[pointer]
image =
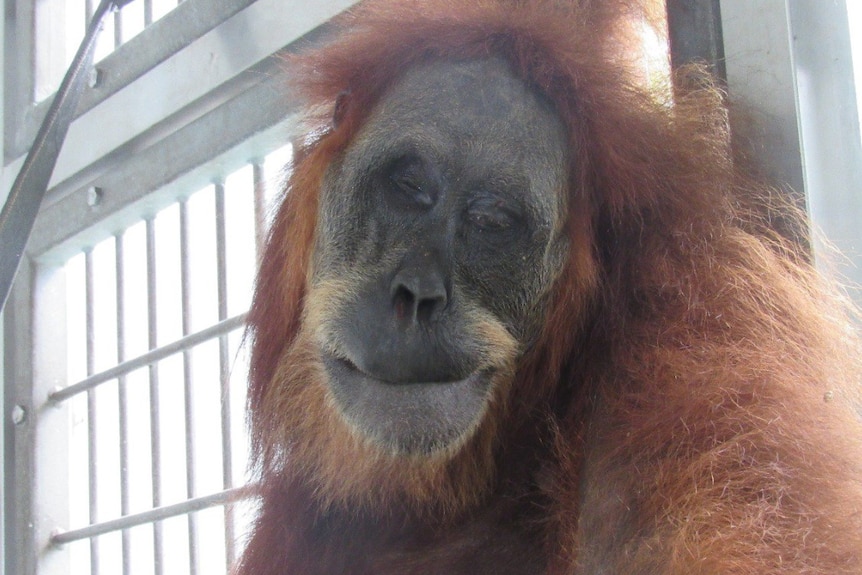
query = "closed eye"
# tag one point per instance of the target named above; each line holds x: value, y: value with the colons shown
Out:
x: 412, y: 189
x: 409, y: 180
x: 492, y: 214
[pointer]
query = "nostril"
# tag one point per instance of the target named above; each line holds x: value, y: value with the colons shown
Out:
x: 408, y: 306
x: 403, y: 302
x: 426, y: 308
x: 418, y: 291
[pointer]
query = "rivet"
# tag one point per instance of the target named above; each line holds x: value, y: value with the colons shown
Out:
x: 95, y: 77
x: 94, y: 196
x: 19, y: 415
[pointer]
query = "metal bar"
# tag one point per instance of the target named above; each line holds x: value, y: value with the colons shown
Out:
x: 236, y: 66
x: 155, y: 428
x: 259, y: 208
x: 224, y: 369
x: 125, y: 505
x: 823, y: 37
x: 118, y: 28
x: 694, y: 31
x: 21, y: 458
x: 762, y: 81
x: 188, y: 390
x: 153, y: 515
x: 92, y: 460
x: 149, y: 358
x: 176, y: 30
x: 19, y: 211
x: 250, y: 125
x: 148, y: 12
x: 89, y: 7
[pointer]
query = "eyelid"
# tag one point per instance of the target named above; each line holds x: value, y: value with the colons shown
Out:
x: 412, y: 188
x: 409, y: 176
x: 500, y: 213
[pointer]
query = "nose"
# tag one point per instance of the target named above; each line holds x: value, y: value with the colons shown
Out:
x: 419, y: 290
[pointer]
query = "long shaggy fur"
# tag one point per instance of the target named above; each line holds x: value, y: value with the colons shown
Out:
x: 692, y: 400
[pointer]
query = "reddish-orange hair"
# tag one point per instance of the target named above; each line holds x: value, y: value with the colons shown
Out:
x: 726, y: 370
x: 573, y: 52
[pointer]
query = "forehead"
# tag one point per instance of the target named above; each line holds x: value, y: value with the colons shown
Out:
x: 474, y: 115
x: 462, y: 96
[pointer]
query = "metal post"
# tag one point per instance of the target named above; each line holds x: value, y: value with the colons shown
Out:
x: 188, y: 388
x: 259, y: 207
x: 694, y: 31
x: 125, y: 507
x: 155, y: 427
x: 224, y: 370
x: 92, y: 429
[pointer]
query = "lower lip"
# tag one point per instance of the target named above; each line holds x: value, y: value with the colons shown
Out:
x: 408, y: 417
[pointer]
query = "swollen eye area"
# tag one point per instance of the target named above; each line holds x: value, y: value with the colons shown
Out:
x: 409, y: 180
x: 492, y: 214
x: 412, y: 191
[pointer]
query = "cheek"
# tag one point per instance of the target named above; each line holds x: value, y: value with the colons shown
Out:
x: 354, y: 232
x: 511, y: 280
x: 343, y: 230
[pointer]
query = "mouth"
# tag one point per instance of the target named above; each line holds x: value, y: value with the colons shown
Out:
x: 421, y: 418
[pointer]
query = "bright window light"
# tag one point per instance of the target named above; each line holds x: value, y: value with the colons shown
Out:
x: 175, y: 430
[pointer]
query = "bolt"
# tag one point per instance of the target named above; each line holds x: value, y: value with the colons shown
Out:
x: 95, y: 77
x: 18, y: 415
x: 94, y: 196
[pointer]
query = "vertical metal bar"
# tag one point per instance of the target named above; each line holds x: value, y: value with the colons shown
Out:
x: 36, y: 462
x: 118, y: 28
x: 91, y: 410
x: 224, y: 370
x: 188, y: 390
x: 89, y: 9
x: 694, y: 31
x: 155, y: 428
x: 123, y: 400
x: 148, y: 12
x: 259, y: 207
x: 822, y: 42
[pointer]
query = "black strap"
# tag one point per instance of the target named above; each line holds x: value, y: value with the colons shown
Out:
x: 25, y: 197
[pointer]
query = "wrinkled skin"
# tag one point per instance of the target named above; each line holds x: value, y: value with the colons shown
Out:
x: 439, y: 237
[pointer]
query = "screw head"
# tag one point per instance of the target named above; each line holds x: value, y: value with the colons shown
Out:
x: 19, y: 415
x: 94, y: 78
x: 94, y: 196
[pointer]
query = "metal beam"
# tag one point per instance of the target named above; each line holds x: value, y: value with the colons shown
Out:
x: 694, y: 32
x: 193, y: 81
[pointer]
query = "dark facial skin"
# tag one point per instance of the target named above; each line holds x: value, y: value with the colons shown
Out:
x: 439, y: 237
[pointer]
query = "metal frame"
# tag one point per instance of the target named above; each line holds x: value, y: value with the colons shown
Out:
x: 221, y: 104
x: 136, y: 57
x: 789, y: 66
x: 694, y: 34
x: 5, y: 420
